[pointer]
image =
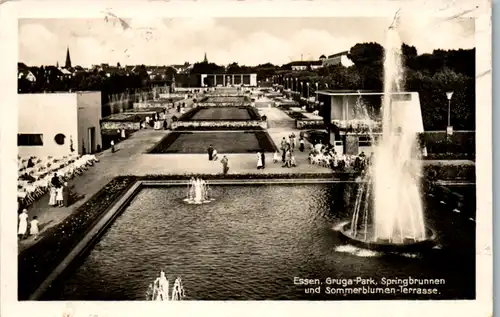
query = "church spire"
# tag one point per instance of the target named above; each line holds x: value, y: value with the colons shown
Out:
x: 68, y: 59
x: 205, y: 60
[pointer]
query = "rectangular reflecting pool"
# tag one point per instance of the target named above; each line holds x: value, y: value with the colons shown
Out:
x: 255, y: 242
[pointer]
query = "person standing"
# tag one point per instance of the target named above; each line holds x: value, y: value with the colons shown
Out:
x: 112, y: 146
x: 225, y: 165
x: 292, y: 141
x: 59, y: 196
x: 23, y: 224
x: 52, y: 197
x: 34, y: 227
x: 259, y: 160
x: 301, y: 144
x: 210, y: 151
x: 263, y: 159
x: 65, y: 194
x: 283, y: 149
x: 55, y: 181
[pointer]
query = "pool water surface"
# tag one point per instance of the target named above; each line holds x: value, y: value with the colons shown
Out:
x: 250, y: 244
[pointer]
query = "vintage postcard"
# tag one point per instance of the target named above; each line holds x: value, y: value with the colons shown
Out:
x: 246, y: 158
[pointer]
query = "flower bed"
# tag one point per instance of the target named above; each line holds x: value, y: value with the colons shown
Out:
x: 358, y: 126
x: 223, y: 128
x: 119, y: 125
x: 37, y: 262
x: 310, y: 124
x: 201, y: 124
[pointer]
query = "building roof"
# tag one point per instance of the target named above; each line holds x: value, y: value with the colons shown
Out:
x: 338, y: 54
x: 305, y: 63
x: 23, y: 73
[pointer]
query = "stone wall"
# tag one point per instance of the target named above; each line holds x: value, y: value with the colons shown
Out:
x: 116, y: 125
x: 220, y: 124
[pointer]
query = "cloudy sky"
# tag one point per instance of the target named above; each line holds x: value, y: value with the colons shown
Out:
x: 247, y: 41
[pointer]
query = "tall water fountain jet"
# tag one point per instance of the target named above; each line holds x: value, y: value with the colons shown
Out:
x: 388, y: 212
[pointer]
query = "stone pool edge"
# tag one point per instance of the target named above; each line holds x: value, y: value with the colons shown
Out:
x: 88, y: 240
x: 98, y: 229
x: 95, y: 231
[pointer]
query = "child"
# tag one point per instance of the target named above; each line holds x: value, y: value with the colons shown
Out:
x: 292, y: 161
x: 34, y: 227
x: 59, y: 196
x: 275, y: 157
x: 214, y: 155
x: 112, y: 146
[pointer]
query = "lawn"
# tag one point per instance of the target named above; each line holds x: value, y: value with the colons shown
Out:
x: 223, y: 142
x: 222, y: 113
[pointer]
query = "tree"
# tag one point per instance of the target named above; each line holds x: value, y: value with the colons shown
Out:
x: 366, y: 54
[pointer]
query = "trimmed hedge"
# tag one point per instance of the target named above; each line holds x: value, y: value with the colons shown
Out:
x: 295, y: 115
x: 253, y: 113
x: 37, y: 262
x: 460, y: 144
x: 219, y: 129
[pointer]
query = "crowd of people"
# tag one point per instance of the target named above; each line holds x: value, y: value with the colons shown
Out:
x: 37, y: 176
x: 325, y: 155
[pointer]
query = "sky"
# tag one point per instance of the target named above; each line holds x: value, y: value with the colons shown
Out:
x: 246, y: 41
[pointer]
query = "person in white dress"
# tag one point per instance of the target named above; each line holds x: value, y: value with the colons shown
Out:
x: 34, y: 227
x: 52, y: 199
x: 59, y: 196
x: 275, y: 157
x: 23, y: 224
x: 259, y: 160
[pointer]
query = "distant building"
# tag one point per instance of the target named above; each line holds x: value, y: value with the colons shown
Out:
x: 351, y: 133
x: 183, y: 68
x: 337, y: 59
x: 52, y: 124
x: 305, y: 65
x: 26, y: 74
x: 224, y: 80
x: 68, y: 59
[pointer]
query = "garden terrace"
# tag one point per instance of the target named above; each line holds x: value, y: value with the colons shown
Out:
x: 220, y: 125
x: 203, y: 113
x: 224, y: 142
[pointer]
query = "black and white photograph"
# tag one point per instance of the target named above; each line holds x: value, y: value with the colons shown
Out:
x: 320, y: 157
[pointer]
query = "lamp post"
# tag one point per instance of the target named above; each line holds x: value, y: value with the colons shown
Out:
x: 449, y: 129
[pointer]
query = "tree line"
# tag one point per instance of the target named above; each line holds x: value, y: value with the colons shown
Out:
x: 431, y: 75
